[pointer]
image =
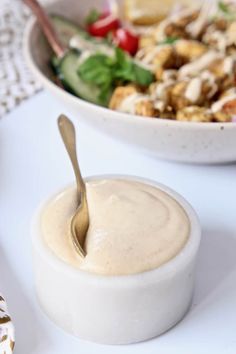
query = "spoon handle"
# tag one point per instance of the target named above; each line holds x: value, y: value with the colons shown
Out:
x: 46, y: 26
x: 67, y: 131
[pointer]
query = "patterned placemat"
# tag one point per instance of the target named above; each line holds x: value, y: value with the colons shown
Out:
x: 16, y: 81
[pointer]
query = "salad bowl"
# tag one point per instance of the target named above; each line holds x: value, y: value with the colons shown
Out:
x: 191, y: 142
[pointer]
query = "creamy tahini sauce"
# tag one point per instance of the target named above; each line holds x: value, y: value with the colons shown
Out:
x: 159, y: 105
x: 134, y: 227
x: 200, y: 64
x: 169, y: 74
x: 196, y: 27
x: 161, y: 29
x: 83, y: 45
x: 230, y: 34
x: 228, y: 65
x: 221, y: 40
x: 160, y: 91
x: 193, y: 90
x: 218, y: 105
x: 210, y: 79
x: 146, y: 58
x: 128, y: 104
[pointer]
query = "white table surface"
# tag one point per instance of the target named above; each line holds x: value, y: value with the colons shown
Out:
x: 33, y: 164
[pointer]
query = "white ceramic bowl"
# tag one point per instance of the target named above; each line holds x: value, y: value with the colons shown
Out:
x: 116, y: 309
x: 167, y: 139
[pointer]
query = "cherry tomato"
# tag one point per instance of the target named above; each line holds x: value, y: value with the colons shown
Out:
x: 126, y: 40
x: 104, y: 25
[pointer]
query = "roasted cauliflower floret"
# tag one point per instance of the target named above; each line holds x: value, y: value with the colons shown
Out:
x: 220, y: 23
x: 175, y: 25
x: 165, y: 57
x: 175, y: 31
x: 160, y: 91
x: 166, y: 75
x: 119, y: 94
x: 217, y: 68
x: 186, y: 17
x: 225, y: 107
x: 223, y: 117
x: 129, y: 100
x: 190, y: 49
x: 214, y: 38
x: 145, y: 108
x: 227, y: 82
x: 177, y: 95
x: 195, y: 91
x: 221, y: 36
x: 146, y: 41
x: 228, y: 93
x: 168, y: 113
x: 224, y: 72
x: 194, y: 114
x: 158, y: 56
x: 231, y: 34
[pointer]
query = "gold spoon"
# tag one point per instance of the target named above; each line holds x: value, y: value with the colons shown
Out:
x: 47, y: 27
x: 80, y: 220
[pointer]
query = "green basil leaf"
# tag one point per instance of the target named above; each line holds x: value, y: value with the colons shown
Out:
x: 107, y: 72
x: 143, y: 77
x: 95, y: 70
x: 120, y: 55
x: 105, y: 94
x: 127, y: 70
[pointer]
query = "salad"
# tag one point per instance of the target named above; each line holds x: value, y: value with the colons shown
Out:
x: 181, y: 68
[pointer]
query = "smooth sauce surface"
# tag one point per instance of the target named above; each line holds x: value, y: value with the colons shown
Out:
x: 134, y: 227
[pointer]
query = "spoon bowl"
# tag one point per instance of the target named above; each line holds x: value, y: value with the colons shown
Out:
x: 79, y: 227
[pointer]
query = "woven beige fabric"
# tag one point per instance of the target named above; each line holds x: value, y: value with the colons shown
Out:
x: 16, y: 82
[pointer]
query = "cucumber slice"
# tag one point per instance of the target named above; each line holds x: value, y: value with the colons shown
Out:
x: 55, y: 62
x: 66, y: 29
x: 72, y: 82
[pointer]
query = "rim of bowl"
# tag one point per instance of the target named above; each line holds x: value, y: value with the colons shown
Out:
x: 30, y: 27
x: 157, y: 274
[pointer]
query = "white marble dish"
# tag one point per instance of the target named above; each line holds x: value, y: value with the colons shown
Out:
x: 166, y: 139
x: 116, y: 309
